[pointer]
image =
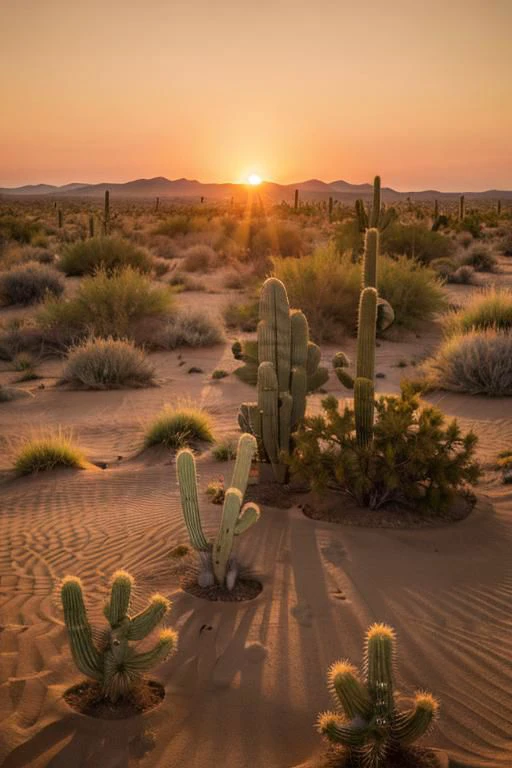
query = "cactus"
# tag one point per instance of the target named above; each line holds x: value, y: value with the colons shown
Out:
x: 462, y: 208
x: 436, y: 209
x: 498, y: 208
x: 288, y: 368
x: 217, y: 564
x: 59, y: 217
x: 106, y: 213
x: 247, y: 351
x: 296, y: 200
x: 115, y: 664
x: 374, y: 219
x: 361, y: 216
x: 368, y: 722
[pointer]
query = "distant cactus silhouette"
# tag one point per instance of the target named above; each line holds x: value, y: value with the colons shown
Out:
x: 59, y: 218
x: 114, y: 663
x: 462, y: 208
x: 296, y: 200
x: 369, y: 722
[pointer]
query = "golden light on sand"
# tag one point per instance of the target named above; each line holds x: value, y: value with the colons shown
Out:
x: 254, y: 179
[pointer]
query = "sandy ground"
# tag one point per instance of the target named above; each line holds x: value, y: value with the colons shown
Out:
x: 249, y: 679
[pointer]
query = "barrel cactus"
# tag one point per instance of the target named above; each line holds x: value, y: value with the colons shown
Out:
x: 218, y: 566
x: 369, y: 722
x: 288, y: 367
x: 114, y: 663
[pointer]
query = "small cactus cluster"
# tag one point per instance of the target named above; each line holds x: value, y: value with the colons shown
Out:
x: 286, y: 359
x: 369, y: 723
x: 374, y: 313
x: 247, y: 352
x: 114, y: 663
x: 218, y: 566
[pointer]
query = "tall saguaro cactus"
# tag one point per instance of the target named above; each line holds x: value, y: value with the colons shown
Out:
x: 217, y: 563
x: 296, y: 200
x: 462, y: 208
x: 368, y: 721
x: 286, y: 358
x: 115, y: 664
x: 106, y: 213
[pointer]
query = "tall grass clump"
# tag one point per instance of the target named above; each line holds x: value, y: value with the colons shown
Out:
x: 416, y: 242
x: 47, y: 452
x: 29, y: 283
x: 477, y: 362
x: 191, y: 329
x: 178, y: 426
x: 414, y: 291
x: 198, y: 258
x: 107, y: 364
x: 481, y: 258
x: 490, y: 309
x: 106, y: 305
x: 106, y: 253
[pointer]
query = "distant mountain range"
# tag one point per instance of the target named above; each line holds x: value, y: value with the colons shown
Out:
x: 312, y: 189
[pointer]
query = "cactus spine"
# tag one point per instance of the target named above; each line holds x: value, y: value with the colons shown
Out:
x: 217, y: 564
x: 115, y: 664
x: 287, y: 363
x: 368, y: 722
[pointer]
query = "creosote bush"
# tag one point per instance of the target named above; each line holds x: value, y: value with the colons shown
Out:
x: 29, y: 283
x: 48, y: 452
x: 179, y: 426
x: 107, y: 364
x: 106, y: 253
x: 109, y: 305
x: 190, y: 328
x: 414, y: 459
x: 476, y: 362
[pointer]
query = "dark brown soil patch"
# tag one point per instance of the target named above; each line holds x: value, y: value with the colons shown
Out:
x: 88, y: 698
x: 332, y: 507
x: 244, y: 589
x: 268, y: 494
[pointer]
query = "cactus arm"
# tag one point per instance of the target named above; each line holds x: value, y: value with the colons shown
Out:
x: 299, y: 340
x: 371, y: 250
x: 274, y: 341
x: 375, y: 213
x: 313, y: 358
x: 379, y: 658
x: 340, y: 731
x: 268, y: 397
x: 144, y: 622
x: 244, y: 455
x: 412, y: 725
x: 249, y: 515
x: 318, y: 378
x: 224, y: 541
x: 117, y: 608
x: 344, y: 377
x: 187, y: 481
x: 83, y: 650
x: 366, y: 334
x: 346, y: 687
x: 167, y: 644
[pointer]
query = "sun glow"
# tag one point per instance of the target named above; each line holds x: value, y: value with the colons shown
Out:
x: 254, y: 179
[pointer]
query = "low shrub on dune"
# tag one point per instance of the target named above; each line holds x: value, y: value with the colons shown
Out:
x: 109, y: 305
x: 107, y: 253
x: 48, y: 452
x: 29, y: 283
x: 107, y: 364
x: 477, y: 362
x: 179, y: 426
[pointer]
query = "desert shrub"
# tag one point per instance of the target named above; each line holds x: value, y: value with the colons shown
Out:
x: 472, y: 224
x: 225, y: 450
x: 198, y: 258
x: 48, y: 452
x: 29, y: 283
x: 326, y: 287
x: 464, y: 275
x: 107, y: 253
x: 444, y: 267
x: 478, y: 362
x: 41, y: 255
x: 480, y: 258
x: 464, y: 239
x: 488, y: 309
x: 241, y: 315
x: 191, y: 329
x: 219, y: 373
x: 107, y: 364
x: 348, y: 238
x: 184, y: 282
x: 178, y: 426
x: 178, y: 224
x: 16, y: 228
x: 108, y: 305
x: 506, y: 245
x: 416, y: 242
x: 415, y: 458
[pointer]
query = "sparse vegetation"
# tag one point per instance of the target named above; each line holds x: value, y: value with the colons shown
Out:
x: 198, y: 258
x: 225, y: 450
x: 107, y: 364
x: 481, y: 258
x: 109, y: 254
x: 416, y: 242
x: 179, y: 426
x: 52, y: 451
x: 490, y: 309
x: 29, y: 283
x: 191, y: 329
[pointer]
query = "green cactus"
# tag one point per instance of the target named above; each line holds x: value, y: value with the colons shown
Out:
x: 368, y: 722
x: 59, y: 217
x: 106, y: 213
x: 374, y: 219
x: 361, y: 216
x: 115, y: 663
x: 217, y: 564
x: 288, y: 369
x: 462, y: 208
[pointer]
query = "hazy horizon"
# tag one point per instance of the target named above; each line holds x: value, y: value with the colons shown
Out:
x: 287, y: 90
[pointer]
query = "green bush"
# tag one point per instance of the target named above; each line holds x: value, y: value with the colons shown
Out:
x: 478, y: 362
x: 109, y: 305
x: 414, y: 291
x: 48, y: 452
x: 179, y: 426
x: 415, y: 459
x: 481, y: 258
x: 107, y: 364
x: 29, y: 283
x: 107, y: 253
x: 489, y: 309
x: 416, y: 242
x: 198, y: 258
x: 16, y: 228
x: 178, y: 224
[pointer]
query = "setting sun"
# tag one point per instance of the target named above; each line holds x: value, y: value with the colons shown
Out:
x: 254, y: 179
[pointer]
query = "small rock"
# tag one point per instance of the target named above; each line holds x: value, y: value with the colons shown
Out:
x: 380, y: 375
x: 194, y: 369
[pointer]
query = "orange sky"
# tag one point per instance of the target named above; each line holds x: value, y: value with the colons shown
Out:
x: 420, y: 92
